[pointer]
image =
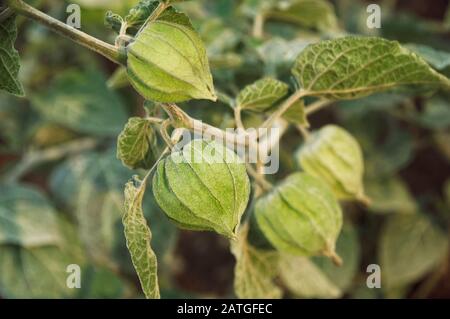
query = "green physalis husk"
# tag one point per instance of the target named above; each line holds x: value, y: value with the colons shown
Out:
x: 335, y: 156
x: 301, y: 216
x: 167, y: 62
x: 204, y: 186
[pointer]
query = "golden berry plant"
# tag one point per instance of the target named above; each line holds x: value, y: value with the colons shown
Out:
x: 198, y: 70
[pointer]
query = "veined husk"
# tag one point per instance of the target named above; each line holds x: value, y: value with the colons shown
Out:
x: 300, y: 216
x: 335, y: 156
x: 167, y: 62
x: 208, y: 195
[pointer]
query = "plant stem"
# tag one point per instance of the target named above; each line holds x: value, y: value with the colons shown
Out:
x: 105, y: 49
x: 224, y: 98
x: 259, y: 179
x: 154, y: 15
x: 258, y: 25
x: 182, y: 120
x: 268, y: 142
x: 155, y: 120
x: 238, y: 118
x: 164, y: 134
x: 176, y: 135
x: 335, y: 258
x: 316, y: 106
x: 283, y: 108
x: 304, y: 131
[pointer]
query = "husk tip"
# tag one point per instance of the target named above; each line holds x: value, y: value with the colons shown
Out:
x: 335, y: 258
x: 364, y: 199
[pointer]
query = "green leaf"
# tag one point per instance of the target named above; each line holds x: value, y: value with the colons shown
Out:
x: 410, y: 247
x: 40, y: 271
x: 9, y: 58
x: 296, y: 114
x: 255, y: 269
x: 304, y: 279
x: 136, y: 143
x: 138, y: 236
x: 26, y: 217
x: 34, y: 273
x: 439, y: 60
x: 113, y: 21
x: 262, y: 94
x: 390, y: 195
x: 300, y: 216
x: 82, y: 102
x: 105, y: 4
x: 139, y: 13
x: 376, y: 102
x: 100, y: 282
x: 354, y: 67
x: 318, y: 14
x: 318, y: 277
x: 118, y: 79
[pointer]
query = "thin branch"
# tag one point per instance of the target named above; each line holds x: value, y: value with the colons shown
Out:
x: 259, y: 179
x: 238, y: 118
x: 38, y: 157
x: 258, y: 25
x: 316, y: 106
x: 182, y: 120
x: 304, y: 132
x: 155, y: 120
x: 154, y: 15
x: 163, y: 131
x: 268, y: 142
x: 225, y: 98
x: 283, y: 108
x: 265, y: 146
x: 123, y: 38
x: 107, y: 50
x: 176, y: 135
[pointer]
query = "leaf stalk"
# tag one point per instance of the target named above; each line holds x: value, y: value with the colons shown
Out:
x: 105, y: 49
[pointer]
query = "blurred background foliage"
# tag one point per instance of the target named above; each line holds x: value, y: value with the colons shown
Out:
x: 61, y: 190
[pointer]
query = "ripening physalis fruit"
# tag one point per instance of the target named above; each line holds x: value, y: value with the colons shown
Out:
x: 335, y: 156
x: 204, y: 186
x: 167, y: 62
x: 301, y: 216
